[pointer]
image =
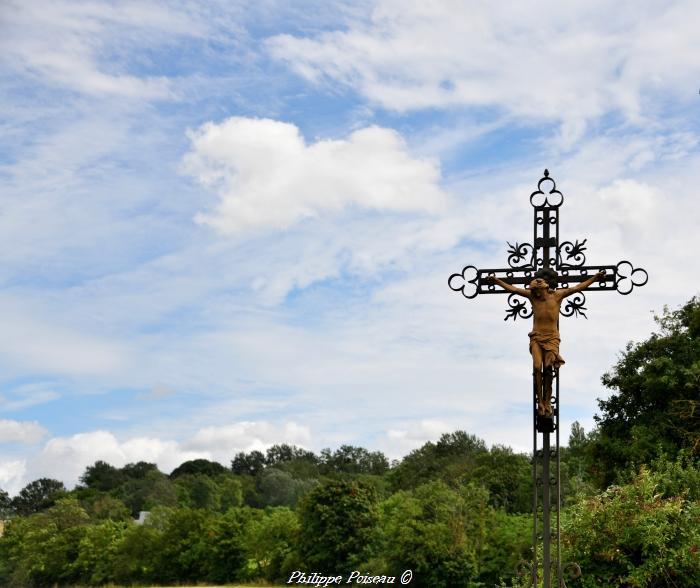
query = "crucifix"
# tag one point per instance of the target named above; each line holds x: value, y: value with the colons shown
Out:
x: 552, y: 275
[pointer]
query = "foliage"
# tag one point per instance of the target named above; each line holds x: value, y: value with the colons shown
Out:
x: 460, y: 458
x: 437, y: 532
x: 105, y: 507
x: 227, y: 545
x: 139, y: 470
x: 148, y: 489
x: 448, y: 459
x: 279, y: 454
x: 42, y: 549
x: 353, y: 460
x: 96, y: 562
x: 38, y: 495
x: 184, y: 545
x: 507, y: 476
x: 271, y: 543
x: 5, y: 504
x: 193, y: 467
x: 102, y: 476
x: 248, y: 463
x: 279, y: 488
x: 136, y: 557
x: 654, y: 408
x: 635, y: 535
x: 509, y: 541
x: 338, y: 523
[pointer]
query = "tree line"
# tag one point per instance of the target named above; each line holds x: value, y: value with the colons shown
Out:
x: 455, y: 512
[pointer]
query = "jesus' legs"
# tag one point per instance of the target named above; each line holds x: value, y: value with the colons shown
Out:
x: 537, y: 365
x: 548, y: 372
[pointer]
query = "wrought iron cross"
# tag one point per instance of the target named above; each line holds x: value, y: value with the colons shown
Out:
x: 567, y: 258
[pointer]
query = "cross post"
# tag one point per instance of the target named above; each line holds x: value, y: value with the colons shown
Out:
x: 555, y: 274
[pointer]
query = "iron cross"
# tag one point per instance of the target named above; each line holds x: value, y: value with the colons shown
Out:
x: 567, y: 258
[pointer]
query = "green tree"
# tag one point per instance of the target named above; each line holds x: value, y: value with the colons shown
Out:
x: 656, y: 387
x: 437, y: 532
x: 248, y: 463
x: 197, y: 491
x: 41, y: 549
x: 230, y: 491
x: 271, y: 543
x: 450, y: 459
x: 279, y: 488
x: 148, y: 489
x: 138, y: 470
x: 227, y: 545
x: 106, y: 507
x: 38, y: 495
x: 137, y: 556
x: 203, y: 467
x: 508, y: 542
x: 506, y: 475
x: 185, y: 545
x: 338, y: 522
x: 576, y: 466
x: 278, y: 454
x: 5, y: 504
x: 216, y: 493
x: 98, y: 549
x: 102, y: 476
x: 348, y: 459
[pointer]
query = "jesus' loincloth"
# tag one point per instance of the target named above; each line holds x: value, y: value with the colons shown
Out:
x: 549, y: 343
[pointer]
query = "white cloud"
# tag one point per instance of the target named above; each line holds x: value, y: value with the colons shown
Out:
x: 399, y: 442
x: 268, y: 177
x: 12, y: 475
x: 225, y: 440
x: 20, y: 431
x: 67, y: 44
x: 570, y: 62
x: 65, y: 458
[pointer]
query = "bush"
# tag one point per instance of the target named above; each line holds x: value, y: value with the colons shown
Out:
x: 636, y: 535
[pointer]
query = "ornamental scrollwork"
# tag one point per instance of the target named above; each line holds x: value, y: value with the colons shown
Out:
x: 518, y: 308
x: 572, y: 254
x: 460, y: 282
x: 520, y: 255
x: 628, y: 277
x: 575, y: 305
x: 549, y: 197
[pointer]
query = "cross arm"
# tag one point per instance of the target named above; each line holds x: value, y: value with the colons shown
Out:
x: 622, y: 277
x: 472, y: 281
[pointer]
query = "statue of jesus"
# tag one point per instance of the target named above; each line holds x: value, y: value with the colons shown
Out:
x: 544, y: 337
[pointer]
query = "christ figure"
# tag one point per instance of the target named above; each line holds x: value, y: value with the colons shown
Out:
x: 544, y: 337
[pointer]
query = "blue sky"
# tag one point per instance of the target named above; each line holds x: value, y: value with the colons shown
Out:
x: 224, y: 226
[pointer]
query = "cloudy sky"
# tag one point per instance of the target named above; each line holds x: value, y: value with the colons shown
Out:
x: 230, y: 224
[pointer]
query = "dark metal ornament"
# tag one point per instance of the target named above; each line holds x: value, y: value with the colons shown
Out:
x: 568, y: 260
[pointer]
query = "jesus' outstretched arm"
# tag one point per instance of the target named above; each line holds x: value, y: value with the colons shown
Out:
x: 507, y: 286
x: 582, y: 286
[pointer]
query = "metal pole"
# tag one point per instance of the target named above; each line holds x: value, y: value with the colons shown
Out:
x: 546, y: 524
x: 560, y: 579
x: 535, y: 483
